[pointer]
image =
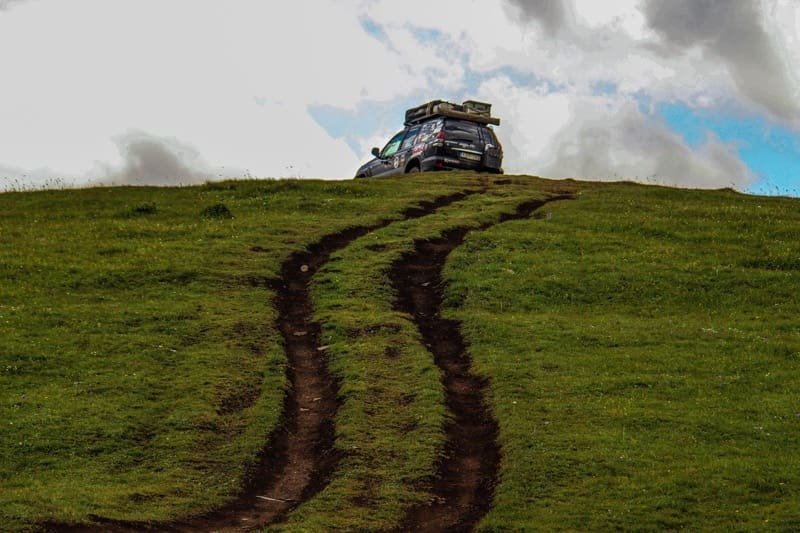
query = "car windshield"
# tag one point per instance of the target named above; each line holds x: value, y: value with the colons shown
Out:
x: 391, y: 147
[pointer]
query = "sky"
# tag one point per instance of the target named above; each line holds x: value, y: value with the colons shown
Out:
x: 692, y: 93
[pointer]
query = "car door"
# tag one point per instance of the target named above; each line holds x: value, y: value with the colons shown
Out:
x: 401, y: 157
x: 385, y: 162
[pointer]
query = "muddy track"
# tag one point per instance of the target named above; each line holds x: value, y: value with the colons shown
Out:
x: 467, y: 474
x: 300, y: 457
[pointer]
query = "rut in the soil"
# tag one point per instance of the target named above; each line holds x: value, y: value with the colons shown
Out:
x: 299, y: 458
x: 467, y: 474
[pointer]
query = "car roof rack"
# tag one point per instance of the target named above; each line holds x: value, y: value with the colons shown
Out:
x: 469, y: 110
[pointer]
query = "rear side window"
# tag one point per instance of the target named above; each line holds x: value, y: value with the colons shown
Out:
x: 488, y: 136
x: 428, y: 130
x: 411, y: 136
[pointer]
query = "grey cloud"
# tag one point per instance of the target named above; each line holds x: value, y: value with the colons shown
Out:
x: 152, y: 160
x: 146, y: 160
x: 551, y: 15
x: 733, y: 31
x: 7, y: 4
x: 632, y: 146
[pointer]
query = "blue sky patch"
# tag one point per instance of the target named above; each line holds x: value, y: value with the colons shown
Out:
x: 426, y: 35
x: 604, y: 87
x: 368, y: 117
x: 518, y: 78
x: 771, y: 150
x: 374, y: 29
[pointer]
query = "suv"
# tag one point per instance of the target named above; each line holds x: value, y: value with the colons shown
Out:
x: 440, y: 136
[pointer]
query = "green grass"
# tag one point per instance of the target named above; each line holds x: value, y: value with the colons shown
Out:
x: 641, y: 342
x: 389, y: 427
x: 139, y: 368
x: 643, y: 347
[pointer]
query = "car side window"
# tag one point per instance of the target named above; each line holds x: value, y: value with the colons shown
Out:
x: 392, y: 146
x: 411, y: 136
x: 488, y: 136
x: 429, y: 129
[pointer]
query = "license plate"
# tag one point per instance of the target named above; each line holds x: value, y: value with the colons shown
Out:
x: 467, y: 155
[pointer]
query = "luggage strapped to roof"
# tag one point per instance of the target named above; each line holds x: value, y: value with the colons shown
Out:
x: 469, y: 110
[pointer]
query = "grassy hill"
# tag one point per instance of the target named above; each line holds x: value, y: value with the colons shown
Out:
x: 640, y: 346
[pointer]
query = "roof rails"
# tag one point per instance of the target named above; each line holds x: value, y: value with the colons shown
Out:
x: 469, y: 110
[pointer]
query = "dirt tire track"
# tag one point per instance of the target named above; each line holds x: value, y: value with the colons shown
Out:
x: 467, y: 474
x: 304, y: 440
x: 300, y: 457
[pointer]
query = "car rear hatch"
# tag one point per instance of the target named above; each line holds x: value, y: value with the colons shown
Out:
x: 463, y: 140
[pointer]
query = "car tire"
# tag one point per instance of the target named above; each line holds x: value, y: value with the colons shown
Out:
x: 412, y: 168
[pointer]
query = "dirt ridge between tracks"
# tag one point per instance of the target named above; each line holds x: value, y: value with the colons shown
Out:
x: 463, y: 487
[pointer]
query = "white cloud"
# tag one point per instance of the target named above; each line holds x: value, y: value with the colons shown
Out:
x: 605, y: 137
x: 734, y: 35
x: 622, y: 15
x: 575, y: 48
x: 531, y: 116
x: 5, y: 5
x: 231, y: 82
x: 620, y: 142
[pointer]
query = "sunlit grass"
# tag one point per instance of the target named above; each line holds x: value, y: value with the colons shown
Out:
x: 641, y: 342
x: 139, y: 368
x: 643, y: 348
x: 390, y: 425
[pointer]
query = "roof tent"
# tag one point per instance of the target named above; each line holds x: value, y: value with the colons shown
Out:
x: 468, y: 110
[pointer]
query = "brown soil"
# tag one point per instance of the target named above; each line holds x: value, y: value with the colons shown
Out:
x: 463, y: 488
x: 300, y: 456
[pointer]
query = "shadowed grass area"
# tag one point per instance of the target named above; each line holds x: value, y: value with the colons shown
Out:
x: 643, y: 347
x: 140, y: 372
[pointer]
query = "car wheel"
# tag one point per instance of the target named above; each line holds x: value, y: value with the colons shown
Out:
x: 412, y: 168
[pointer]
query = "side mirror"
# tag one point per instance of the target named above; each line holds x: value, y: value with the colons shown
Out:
x: 376, y: 151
